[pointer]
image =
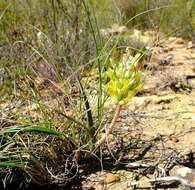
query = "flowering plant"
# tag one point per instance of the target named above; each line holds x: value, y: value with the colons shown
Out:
x: 125, y: 80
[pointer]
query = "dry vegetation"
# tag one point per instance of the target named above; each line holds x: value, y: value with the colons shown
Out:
x: 59, y: 65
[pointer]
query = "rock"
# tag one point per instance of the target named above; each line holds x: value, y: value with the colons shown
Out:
x: 167, y: 60
x: 110, y: 178
x: 145, y: 184
x: 185, y: 172
x: 190, y: 45
x: 99, y: 186
x: 179, y: 41
x: 139, y: 103
x: 191, y: 82
x: 164, y: 99
x: 119, y: 186
x: 173, y: 138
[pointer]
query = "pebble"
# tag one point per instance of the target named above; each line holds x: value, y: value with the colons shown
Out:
x: 110, y: 178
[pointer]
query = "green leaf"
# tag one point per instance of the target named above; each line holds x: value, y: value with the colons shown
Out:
x: 32, y: 129
x: 12, y: 164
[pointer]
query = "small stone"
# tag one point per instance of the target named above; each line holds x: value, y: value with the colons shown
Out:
x: 119, y: 186
x: 110, y: 178
x: 190, y: 45
x: 179, y: 41
x: 173, y: 138
x: 185, y: 172
x: 191, y: 83
x: 99, y: 186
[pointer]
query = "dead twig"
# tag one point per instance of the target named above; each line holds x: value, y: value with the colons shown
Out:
x: 181, y: 180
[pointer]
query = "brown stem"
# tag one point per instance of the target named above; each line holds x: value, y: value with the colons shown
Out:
x: 111, y: 127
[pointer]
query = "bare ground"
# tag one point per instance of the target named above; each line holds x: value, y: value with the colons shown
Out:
x: 156, y: 130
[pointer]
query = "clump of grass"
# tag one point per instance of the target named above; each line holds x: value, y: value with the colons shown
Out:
x: 54, y: 122
x: 54, y: 126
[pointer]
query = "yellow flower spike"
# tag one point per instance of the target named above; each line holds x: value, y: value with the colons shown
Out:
x: 124, y: 82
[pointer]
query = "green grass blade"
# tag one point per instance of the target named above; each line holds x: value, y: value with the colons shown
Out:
x: 32, y: 129
x: 100, y: 109
x: 3, y: 12
x: 12, y: 164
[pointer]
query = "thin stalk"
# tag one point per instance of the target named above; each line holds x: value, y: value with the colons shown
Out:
x: 97, y: 27
x: 147, y: 11
x: 98, y: 60
x: 110, y: 128
x: 80, y: 125
x: 54, y: 20
x: 4, y: 11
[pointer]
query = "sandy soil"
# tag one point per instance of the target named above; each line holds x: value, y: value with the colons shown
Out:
x: 157, y: 127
